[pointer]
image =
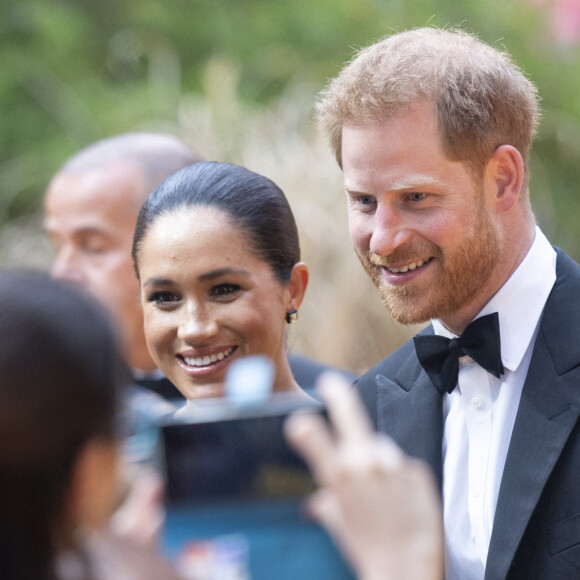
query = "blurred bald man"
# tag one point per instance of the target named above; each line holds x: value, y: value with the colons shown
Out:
x: 91, y: 207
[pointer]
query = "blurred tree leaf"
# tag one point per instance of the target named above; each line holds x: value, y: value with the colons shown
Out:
x: 78, y: 70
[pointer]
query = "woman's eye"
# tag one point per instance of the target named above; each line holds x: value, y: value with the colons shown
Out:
x: 224, y: 290
x: 162, y: 298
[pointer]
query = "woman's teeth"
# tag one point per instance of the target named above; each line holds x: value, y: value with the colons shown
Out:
x: 202, y: 361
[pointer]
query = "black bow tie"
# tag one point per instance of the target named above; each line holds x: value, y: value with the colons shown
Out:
x: 439, y: 356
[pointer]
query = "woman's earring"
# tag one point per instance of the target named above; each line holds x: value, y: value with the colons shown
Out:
x: 291, y: 315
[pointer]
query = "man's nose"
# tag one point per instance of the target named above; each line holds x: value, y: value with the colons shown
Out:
x: 389, y: 232
x: 66, y: 267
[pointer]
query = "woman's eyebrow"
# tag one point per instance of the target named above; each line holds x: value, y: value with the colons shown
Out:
x: 207, y: 276
x: 158, y: 282
x: 223, y: 272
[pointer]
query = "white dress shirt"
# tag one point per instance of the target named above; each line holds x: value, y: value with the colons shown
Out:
x: 479, y: 414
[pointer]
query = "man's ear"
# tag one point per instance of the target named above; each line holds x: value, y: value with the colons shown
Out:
x: 505, y: 174
x: 297, y: 285
x: 94, y: 487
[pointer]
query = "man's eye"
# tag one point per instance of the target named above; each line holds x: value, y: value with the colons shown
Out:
x: 224, y: 290
x: 417, y: 196
x: 93, y: 247
x: 162, y: 298
x: 364, y: 203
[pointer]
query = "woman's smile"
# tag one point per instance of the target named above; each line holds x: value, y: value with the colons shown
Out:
x: 207, y: 359
x: 195, y: 366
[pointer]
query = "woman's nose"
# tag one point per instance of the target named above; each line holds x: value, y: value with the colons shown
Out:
x: 197, y: 325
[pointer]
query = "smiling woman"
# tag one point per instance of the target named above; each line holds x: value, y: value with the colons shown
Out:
x: 217, y: 255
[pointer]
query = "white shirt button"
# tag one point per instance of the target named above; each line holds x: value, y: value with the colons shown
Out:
x: 476, y: 402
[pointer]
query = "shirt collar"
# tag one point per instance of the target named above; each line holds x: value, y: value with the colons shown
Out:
x: 520, y: 301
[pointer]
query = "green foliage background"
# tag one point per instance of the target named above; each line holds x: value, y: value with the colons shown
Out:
x: 225, y: 74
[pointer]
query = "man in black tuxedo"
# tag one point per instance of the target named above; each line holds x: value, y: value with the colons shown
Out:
x: 433, y: 129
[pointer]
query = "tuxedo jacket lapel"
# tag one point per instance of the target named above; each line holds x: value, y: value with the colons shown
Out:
x: 545, y: 418
x: 547, y: 413
x: 410, y: 411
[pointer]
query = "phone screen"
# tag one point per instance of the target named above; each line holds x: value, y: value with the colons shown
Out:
x: 234, y: 493
x: 236, y: 459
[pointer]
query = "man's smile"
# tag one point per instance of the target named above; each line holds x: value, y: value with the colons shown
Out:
x: 407, y: 267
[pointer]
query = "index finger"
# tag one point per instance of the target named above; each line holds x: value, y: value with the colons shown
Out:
x: 345, y: 409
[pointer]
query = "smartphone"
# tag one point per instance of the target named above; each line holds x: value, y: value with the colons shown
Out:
x: 234, y: 494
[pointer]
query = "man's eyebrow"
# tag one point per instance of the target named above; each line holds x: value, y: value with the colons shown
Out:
x: 412, y: 182
x: 49, y: 228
